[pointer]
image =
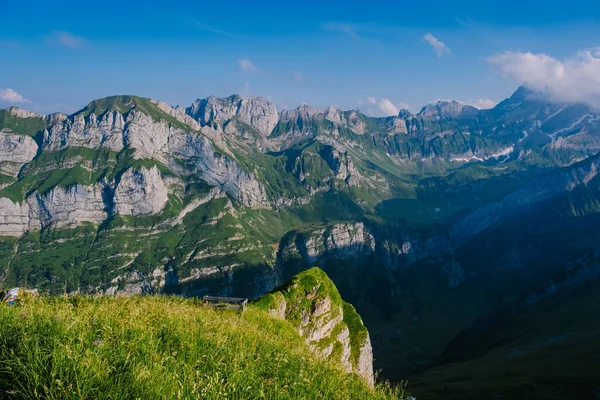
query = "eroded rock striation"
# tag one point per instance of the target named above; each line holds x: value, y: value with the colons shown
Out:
x: 140, y: 192
x: 331, y: 327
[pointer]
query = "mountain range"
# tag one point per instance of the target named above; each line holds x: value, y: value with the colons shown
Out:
x: 428, y: 223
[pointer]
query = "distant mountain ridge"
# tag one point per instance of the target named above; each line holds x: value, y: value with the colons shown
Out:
x: 407, y: 214
x: 126, y: 156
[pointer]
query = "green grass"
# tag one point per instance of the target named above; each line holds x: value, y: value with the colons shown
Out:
x: 25, y: 126
x: 6, y: 180
x: 161, y: 348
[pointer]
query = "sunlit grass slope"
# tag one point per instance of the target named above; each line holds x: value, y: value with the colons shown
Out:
x: 161, y: 348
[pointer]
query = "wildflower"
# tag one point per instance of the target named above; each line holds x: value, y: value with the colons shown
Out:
x: 97, y: 342
x: 23, y: 315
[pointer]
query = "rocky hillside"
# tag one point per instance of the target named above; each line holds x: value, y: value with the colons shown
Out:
x: 408, y: 214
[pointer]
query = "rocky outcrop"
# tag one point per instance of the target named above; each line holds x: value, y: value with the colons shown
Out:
x: 179, y: 113
x: 92, y: 132
x: 254, y: 111
x: 15, y: 151
x: 61, y: 207
x: 331, y: 327
x: 68, y: 207
x: 447, y: 109
x: 343, y: 240
x: 217, y: 169
x: 14, y: 218
x: 342, y: 166
x: 304, y: 111
x: 21, y: 113
x: 140, y: 192
x: 161, y: 141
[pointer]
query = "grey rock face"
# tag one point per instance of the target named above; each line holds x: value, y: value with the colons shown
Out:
x: 160, y: 141
x: 68, y: 207
x: 334, y: 115
x: 344, y: 240
x: 91, y: 132
x: 447, y: 109
x: 365, y: 361
x: 21, y: 113
x: 56, y: 118
x: 15, y: 151
x: 14, y: 218
x: 304, y: 111
x: 254, y: 111
x: 218, y: 169
x: 60, y: 207
x: 356, y: 124
x: 343, y: 167
x: 140, y: 192
x: 179, y: 114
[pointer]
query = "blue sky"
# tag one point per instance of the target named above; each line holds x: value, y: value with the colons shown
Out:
x: 376, y: 56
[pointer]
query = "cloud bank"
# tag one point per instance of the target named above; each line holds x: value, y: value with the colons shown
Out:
x: 10, y: 96
x: 384, y: 107
x: 571, y: 80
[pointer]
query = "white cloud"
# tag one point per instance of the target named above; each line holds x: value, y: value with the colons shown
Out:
x: 65, y: 39
x: 439, y: 47
x: 575, y: 79
x: 483, y: 104
x: 246, y: 65
x: 246, y: 88
x: 10, y: 96
x: 387, y: 107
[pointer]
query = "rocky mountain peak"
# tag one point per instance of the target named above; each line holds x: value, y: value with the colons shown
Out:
x: 303, y: 111
x: 120, y: 103
x: 446, y: 109
x: 334, y: 115
x: 21, y: 113
x: 256, y: 112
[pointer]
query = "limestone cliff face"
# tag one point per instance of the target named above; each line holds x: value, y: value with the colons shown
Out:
x: 162, y: 141
x: 343, y: 240
x: 140, y: 192
x: 15, y: 151
x: 343, y: 166
x: 68, y: 207
x: 331, y: 327
x: 21, y: 113
x: 60, y: 208
x: 254, y: 111
x: 217, y: 169
x: 14, y: 218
